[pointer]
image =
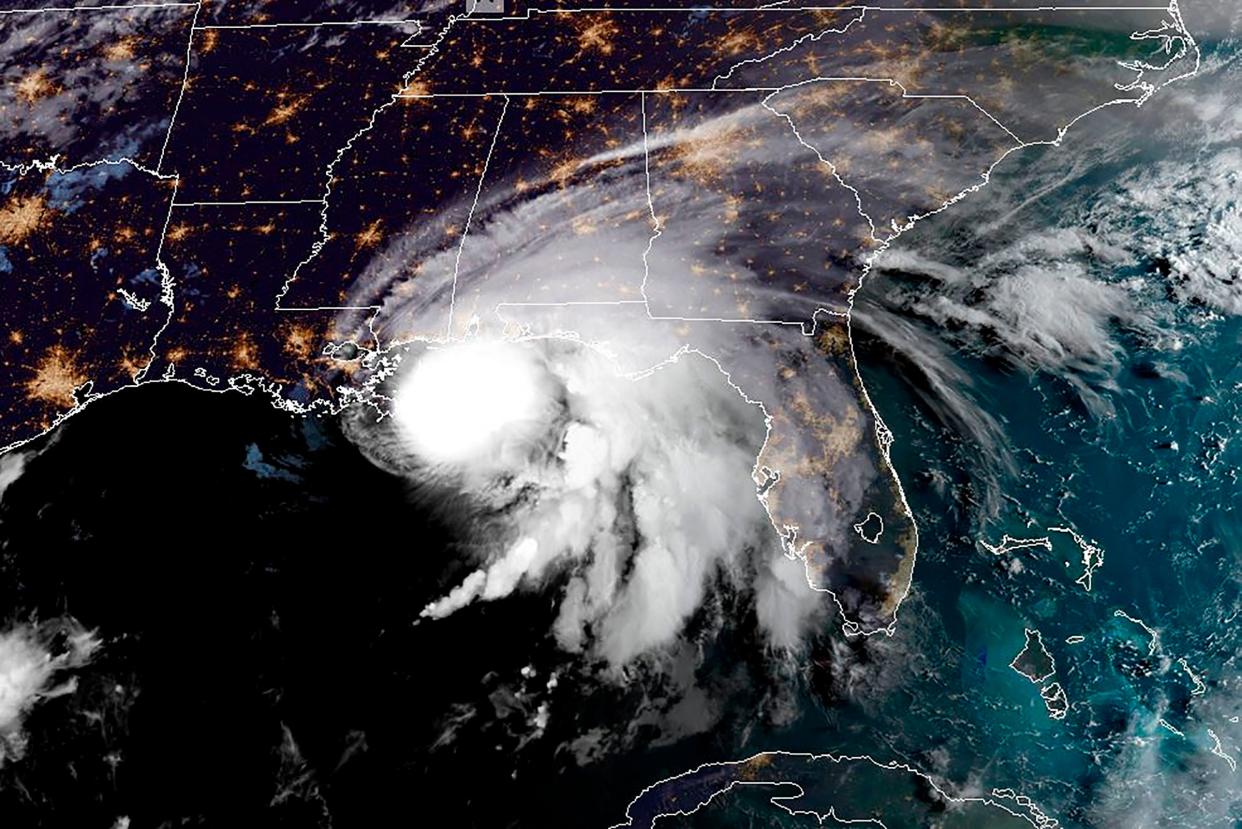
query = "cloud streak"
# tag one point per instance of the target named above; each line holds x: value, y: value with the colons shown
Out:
x: 630, y: 495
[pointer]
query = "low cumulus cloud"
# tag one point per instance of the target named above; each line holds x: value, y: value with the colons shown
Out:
x: 31, y: 658
x: 1147, y: 222
x: 1141, y: 789
x: 15, y: 462
x: 1032, y: 303
x: 12, y: 465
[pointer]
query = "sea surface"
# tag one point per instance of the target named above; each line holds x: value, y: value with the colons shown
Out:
x: 256, y: 581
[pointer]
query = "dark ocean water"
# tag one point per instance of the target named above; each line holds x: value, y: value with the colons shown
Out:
x: 256, y: 581
x: 1101, y: 395
x: 222, y: 552
x: 1167, y: 521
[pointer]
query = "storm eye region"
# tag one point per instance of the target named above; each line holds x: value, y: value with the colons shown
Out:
x: 475, y: 402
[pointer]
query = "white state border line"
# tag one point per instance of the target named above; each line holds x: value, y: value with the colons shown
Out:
x: 883, y: 435
x: 670, y: 90
x: 185, y: 82
x: 809, y: 37
x: 293, y: 24
x: 329, y: 171
x: 465, y: 231
x: 49, y: 166
x: 103, y: 8
x: 248, y: 383
x: 532, y: 12
x: 172, y: 5
x: 905, y: 93
x: 334, y: 308
x: 858, y: 201
x: 611, y: 303
x: 598, y: 10
x: 244, y: 203
x: 657, y: 230
x: 693, y: 90
x: 434, y: 47
x: 834, y: 7
x: 657, y: 227
x: 167, y: 298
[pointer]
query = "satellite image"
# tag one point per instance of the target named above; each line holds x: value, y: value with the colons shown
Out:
x: 493, y: 413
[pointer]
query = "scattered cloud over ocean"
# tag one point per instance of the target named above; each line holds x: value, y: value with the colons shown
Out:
x: 32, y: 657
x: 12, y: 465
x: 1147, y: 231
x: 1036, y: 304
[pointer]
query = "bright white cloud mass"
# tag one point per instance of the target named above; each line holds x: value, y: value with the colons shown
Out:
x: 28, y: 667
x: 582, y: 383
x: 630, y: 493
x: 461, y: 403
x: 606, y: 450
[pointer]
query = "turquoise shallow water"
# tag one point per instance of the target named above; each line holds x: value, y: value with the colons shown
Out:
x: 1100, y: 393
x: 1136, y: 452
x: 1167, y: 522
x: 1078, y: 368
